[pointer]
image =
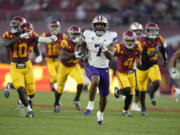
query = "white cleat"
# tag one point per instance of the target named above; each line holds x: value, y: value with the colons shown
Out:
x: 135, y: 107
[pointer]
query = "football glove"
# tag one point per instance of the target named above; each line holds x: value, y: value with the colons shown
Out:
x: 53, y: 38
x: 174, y: 74
x: 78, y: 55
x: 38, y: 59
x: 25, y: 35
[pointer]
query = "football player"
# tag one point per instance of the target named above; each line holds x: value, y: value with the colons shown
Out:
x: 100, y: 44
x: 149, y: 69
x: 69, y: 66
x: 26, y: 27
x: 52, y: 51
x: 18, y: 42
x: 138, y: 29
x: 127, y: 52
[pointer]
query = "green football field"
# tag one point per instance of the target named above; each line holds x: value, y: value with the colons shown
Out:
x: 162, y: 119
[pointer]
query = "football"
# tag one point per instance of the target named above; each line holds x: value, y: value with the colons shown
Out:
x: 81, y: 49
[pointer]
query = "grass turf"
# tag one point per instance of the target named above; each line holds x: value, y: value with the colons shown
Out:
x: 163, y: 120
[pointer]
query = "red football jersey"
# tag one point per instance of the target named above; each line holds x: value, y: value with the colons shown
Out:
x: 126, y: 57
x: 52, y: 50
x: 148, y: 47
x: 20, y: 50
x: 70, y: 47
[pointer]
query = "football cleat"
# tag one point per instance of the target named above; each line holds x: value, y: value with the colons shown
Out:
x: 135, y: 107
x: 77, y: 105
x: 7, y: 90
x: 100, y: 123
x: 30, y: 114
x: 143, y: 112
x: 116, y: 95
x: 127, y: 114
x: 152, y: 97
x: 176, y: 93
x: 57, y: 108
x: 87, y: 112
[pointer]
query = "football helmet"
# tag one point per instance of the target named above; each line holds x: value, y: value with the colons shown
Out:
x: 100, y: 25
x: 54, y: 27
x: 152, y: 30
x: 129, y: 39
x: 75, y: 34
x: 137, y: 28
x: 26, y: 27
x: 16, y: 23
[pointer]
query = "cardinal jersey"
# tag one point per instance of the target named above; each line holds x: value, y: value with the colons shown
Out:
x: 148, y: 47
x: 70, y: 47
x: 20, y: 50
x: 52, y: 50
x: 94, y: 43
x: 125, y: 58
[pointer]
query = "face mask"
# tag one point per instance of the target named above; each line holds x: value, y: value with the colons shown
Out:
x: 76, y: 39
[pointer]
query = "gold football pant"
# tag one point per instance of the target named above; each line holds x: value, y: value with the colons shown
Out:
x: 153, y: 73
x: 23, y: 77
x: 126, y: 80
x: 75, y: 72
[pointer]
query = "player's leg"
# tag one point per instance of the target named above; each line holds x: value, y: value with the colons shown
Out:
x: 155, y: 76
x: 126, y: 90
x: 103, y: 93
x: 93, y: 76
x: 19, y: 83
x: 61, y: 80
x: 77, y: 74
x: 142, y: 81
x: 135, y: 106
x: 51, y: 66
x: 30, y: 85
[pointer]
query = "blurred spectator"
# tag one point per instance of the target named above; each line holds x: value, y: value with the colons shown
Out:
x: 80, y: 12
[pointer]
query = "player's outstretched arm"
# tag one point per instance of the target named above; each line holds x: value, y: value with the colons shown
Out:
x: 47, y: 40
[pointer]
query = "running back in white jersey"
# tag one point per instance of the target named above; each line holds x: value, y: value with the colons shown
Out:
x: 94, y: 43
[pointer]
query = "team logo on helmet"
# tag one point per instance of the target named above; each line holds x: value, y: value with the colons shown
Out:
x: 100, y: 25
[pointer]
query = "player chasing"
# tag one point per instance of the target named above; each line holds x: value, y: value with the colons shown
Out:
x: 100, y: 44
x: 18, y: 43
x: 69, y: 55
x: 174, y: 74
x: 152, y: 43
x: 127, y: 52
x: 52, y: 51
x: 138, y: 29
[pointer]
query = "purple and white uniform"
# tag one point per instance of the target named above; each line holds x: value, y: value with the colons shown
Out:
x: 98, y: 64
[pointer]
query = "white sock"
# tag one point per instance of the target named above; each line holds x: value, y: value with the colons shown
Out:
x: 90, y: 105
x: 28, y: 108
x: 100, y: 115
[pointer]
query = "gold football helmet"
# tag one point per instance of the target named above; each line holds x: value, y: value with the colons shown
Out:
x: 100, y: 25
